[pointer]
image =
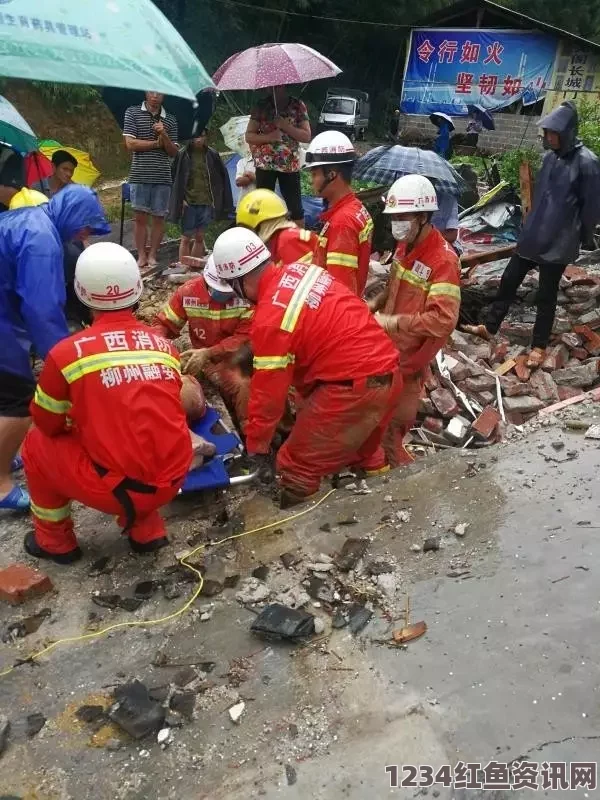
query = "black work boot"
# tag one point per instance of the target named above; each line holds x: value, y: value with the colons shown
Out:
x: 148, y: 547
x: 289, y: 499
x: 33, y: 548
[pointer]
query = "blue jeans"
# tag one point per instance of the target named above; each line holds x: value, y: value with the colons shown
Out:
x: 196, y: 218
x: 150, y: 198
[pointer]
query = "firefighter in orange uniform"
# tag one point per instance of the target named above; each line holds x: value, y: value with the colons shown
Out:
x: 265, y: 213
x: 219, y: 324
x: 310, y: 331
x: 109, y: 428
x: 420, y: 306
x: 345, y: 241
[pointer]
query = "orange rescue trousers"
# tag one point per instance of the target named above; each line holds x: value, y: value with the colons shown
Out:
x: 337, y: 426
x: 402, y: 420
x: 58, y: 470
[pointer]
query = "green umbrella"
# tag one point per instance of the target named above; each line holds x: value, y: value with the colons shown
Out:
x: 125, y: 43
x: 14, y: 130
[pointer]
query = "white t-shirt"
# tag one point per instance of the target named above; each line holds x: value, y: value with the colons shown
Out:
x: 245, y: 164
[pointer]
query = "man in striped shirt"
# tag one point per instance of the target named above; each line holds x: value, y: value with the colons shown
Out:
x: 151, y: 137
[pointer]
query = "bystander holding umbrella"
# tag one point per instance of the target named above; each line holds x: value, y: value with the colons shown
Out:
x: 482, y: 115
x: 383, y: 165
x: 15, y: 131
x: 234, y: 134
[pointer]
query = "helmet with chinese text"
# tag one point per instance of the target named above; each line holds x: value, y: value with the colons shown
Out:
x: 212, y: 279
x: 237, y: 252
x: 329, y: 147
x: 259, y: 206
x: 411, y: 193
x: 107, y: 277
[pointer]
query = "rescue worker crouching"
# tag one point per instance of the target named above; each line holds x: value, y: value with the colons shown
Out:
x: 311, y: 332
x: 265, y: 213
x: 419, y: 308
x: 110, y: 430
x: 219, y: 324
x: 345, y: 241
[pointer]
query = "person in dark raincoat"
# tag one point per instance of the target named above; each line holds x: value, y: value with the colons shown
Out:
x: 32, y: 299
x: 563, y: 216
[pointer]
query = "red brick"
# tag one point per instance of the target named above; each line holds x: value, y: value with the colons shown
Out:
x: 486, y: 422
x: 556, y: 358
x: 522, y: 371
x: 592, y: 340
x: 518, y: 331
x: 482, y: 383
x: 570, y: 340
x: 567, y: 392
x: 445, y: 402
x: 460, y: 372
x: 515, y: 417
x: 578, y: 276
x: 513, y: 387
x: 19, y: 583
x: 595, y: 394
x: 501, y: 351
x: 434, y: 424
x: 486, y: 398
x: 580, y: 352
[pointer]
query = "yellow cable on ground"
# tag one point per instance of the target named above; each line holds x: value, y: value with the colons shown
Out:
x: 141, y: 623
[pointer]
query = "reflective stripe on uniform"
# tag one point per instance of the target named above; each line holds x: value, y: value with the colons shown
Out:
x: 94, y: 363
x: 342, y: 260
x: 297, y: 300
x: 410, y: 277
x: 304, y: 235
x: 173, y: 317
x: 223, y: 313
x: 49, y: 403
x: 51, y: 514
x: 366, y: 232
x: 273, y: 362
x: 448, y: 289
x: 306, y: 259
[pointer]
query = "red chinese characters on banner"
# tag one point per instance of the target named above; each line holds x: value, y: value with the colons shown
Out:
x: 470, y: 52
x: 488, y: 84
x: 447, y: 50
x: 425, y: 51
x: 464, y: 82
x: 494, y: 53
x: 512, y: 86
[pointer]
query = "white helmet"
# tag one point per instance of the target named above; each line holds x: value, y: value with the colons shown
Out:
x: 329, y: 147
x: 107, y: 277
x: 411, y: 193
x: 237, y: 252
x: 212, y: 278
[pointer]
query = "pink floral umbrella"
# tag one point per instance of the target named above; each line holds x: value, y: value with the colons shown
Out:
x: 273, y: 65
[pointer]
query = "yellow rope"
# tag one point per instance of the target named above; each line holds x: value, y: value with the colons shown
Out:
x: 146, y: 622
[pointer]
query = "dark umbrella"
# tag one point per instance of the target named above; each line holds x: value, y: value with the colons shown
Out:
x: 189, y: 118
x: 383, y: 165
x: 484, y: 116
x: 438, y: 117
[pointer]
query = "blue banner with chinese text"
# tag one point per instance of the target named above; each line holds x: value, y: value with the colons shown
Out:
x: 447, y: 69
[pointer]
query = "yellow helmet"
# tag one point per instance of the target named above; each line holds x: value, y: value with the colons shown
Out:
x: 259, y: 206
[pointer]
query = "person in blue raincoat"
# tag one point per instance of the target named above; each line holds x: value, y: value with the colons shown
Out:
x: 563, y: 216
x: 32, y: 299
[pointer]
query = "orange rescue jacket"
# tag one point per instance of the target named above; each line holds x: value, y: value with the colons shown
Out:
x: 424, y: 292
x: 290, y: 245
x: 345, y: 243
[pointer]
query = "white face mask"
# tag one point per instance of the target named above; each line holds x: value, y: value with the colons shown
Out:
x: 401, y: 229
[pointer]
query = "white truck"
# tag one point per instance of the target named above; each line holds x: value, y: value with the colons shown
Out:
x: 345, y: 110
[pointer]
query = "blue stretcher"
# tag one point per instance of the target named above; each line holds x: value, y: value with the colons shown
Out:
x: 213, y: 474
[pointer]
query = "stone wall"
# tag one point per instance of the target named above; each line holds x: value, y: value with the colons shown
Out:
x: 512, y: 130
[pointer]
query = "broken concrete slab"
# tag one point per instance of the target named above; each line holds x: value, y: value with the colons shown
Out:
x: 135, y: 711
x: 556, y: 358
x: 457, y: 430
x: 252, y: 591
x: 445, y: 403
x: 480, y: 383
x: 544, y: 386
x: 584, y: 375
x: 523, y: 405
x: 351, y: 553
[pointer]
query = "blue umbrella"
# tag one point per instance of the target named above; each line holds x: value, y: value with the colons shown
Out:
x: 383, y: 165
x: 484, y: 116
x: 125, y: 43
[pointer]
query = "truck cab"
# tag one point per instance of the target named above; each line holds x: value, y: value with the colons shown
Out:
x: 345, y: 110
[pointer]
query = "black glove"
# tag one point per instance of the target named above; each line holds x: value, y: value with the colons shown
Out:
x: 261, y: 463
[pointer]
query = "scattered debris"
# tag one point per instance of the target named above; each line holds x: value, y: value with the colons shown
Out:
x: 404, y: 515
x: 351, y: 553
x: 378, y: 566
x: 183, y: 703
x: 113, y: 601
x: 236, y: 711
x: 163, y: 737
x: 4, y: 732
x: 461, y: 529
x: 145, y: 589
x: 261, y: 572
x: 184, y: 677
x: 410, y: 632
x: 277, y: 621
x: 355, y: 616
x: 23, y: 627
x: 325, y: 527
x: 89, y: 714
x: 593, y: 432
x: 319, y: 626
x: 388, y: 584
x: 416, y: 548
x: 290, y: 774
x: 102, y: 566
x: 35, y: 723
x: 289, y: 559
x: 171, y: 591
x: 135, y: 711
x: 252, y: 591
x: 432, y: 544
x: 353, y: 520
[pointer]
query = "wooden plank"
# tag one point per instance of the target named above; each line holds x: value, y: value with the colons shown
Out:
x: 526, y: 180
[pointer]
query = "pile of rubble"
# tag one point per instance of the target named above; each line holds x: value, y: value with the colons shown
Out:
x: 477, y: 386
